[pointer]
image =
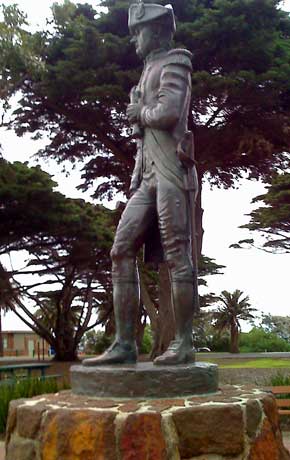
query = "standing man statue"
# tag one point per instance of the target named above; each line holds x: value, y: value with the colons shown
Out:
x: 162, y: 182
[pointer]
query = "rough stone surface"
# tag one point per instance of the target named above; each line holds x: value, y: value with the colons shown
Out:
x: 12, y: 418
x: 163, y: 404
x: 21, y: 449
x: 28, y: 420
x: 266, y: 446
x: 145, y: 380
x: 254, y: 417
x: 237, y: 423
x: 215, y: 429
x: 141, y: 438
x: 78, y: 435
x: 270, y: 409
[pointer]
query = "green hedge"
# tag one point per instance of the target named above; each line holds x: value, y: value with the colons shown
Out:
x: 258, y: 340
x: 25, y: 388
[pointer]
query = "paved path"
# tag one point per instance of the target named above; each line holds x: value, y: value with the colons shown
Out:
x: 272, y: 354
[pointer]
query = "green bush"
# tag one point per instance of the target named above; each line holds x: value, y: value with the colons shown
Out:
x: 219, y: 343
x: 258, y: 340
x: 26, y: 388
x: 147, y: 341
x: 102, y: 342
x: 96, y: 342
x: 279, y: 379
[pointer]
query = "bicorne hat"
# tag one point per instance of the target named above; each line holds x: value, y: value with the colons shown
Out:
x: 141, y: 13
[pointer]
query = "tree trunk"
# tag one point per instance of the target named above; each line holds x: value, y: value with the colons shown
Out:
x: 161, y: 320
x: 166, y: 318
x: 1, y: 336
x: 234, y: 346
x: 64, y: 344
x: 65, y: 350
x: 198, y: 220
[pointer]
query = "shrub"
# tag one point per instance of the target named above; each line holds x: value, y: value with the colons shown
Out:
x: 220, y: 343
x: 258, y: 340
x: 25, y: 388
x: 96, y: 342
x: 102, y: 342
x: 147, y: 341
x: 279, y: 379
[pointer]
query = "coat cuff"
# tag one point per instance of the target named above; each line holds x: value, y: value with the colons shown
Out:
x: 143, y: 115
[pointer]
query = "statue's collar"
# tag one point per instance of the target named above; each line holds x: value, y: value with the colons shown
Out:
x: 155, y: 54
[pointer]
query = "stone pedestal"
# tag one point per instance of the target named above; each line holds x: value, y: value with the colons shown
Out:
x: 237, y: 423
x: 144, y: 380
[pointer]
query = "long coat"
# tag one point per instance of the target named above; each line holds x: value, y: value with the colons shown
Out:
x: 165, y: 89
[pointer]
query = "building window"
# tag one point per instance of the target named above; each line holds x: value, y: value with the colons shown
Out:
x: 5, y: 343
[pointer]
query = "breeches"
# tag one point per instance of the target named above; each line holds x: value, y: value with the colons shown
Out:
x: 156, y: 196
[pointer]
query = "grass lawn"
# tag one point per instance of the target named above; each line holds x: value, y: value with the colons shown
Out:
x: 243, y: 363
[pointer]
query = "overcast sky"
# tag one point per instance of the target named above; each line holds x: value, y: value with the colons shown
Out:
x: 263, y: 277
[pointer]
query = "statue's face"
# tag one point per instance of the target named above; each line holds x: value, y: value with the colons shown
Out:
x: 144, y: 40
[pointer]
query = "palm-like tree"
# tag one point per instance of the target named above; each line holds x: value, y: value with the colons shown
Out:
x: 231, y: 309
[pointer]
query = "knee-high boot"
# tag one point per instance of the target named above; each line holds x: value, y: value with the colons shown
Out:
x: 126, y: 301
x: 180, y: 349
x: 126, y: 297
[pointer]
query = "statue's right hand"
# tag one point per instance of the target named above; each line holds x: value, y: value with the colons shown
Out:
x: 132, y: 191
x: 133, y: 112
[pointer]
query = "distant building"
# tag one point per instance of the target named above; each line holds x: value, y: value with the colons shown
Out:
x: 24, y: 343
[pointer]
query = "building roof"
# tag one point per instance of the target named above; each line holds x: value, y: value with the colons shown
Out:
x: 19, y: 332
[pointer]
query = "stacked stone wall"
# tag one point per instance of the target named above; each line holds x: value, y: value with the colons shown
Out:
x: 237, y: 423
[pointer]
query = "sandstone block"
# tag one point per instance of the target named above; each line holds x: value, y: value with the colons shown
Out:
x: 211, y: 429
x: 266, y: 446
x: 253, y: 417
x: 21, y: 449
x: 79, y: 435
x: 28, y: 420
x: 160, y: 405
x: 270, y: 409
x: 141, y: 438
x: 12, y: 418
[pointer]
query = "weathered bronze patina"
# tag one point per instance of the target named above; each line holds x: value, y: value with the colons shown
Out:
x: 162, y: 187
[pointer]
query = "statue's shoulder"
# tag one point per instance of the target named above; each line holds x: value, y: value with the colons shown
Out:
x: 179, y: 56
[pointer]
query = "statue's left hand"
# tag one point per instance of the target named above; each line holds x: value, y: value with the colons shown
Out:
x: 133, y: 112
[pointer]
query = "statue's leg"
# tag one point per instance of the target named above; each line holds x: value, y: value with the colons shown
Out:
x: 129, y: 237
x: 174, y: 224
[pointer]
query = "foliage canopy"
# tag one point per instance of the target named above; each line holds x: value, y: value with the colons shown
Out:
x: 272, y: 219
x: 66, y: 242
x: 84, y: 66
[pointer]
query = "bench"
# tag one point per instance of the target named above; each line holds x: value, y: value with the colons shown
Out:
x: 13, y: 369
x: 282, y: 403
x: 15, y: 379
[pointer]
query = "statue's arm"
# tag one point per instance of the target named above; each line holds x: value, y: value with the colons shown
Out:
x: 174, y: 85
x: 137, y: 172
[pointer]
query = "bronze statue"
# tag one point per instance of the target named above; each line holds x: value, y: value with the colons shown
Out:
x: 162, y: 183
